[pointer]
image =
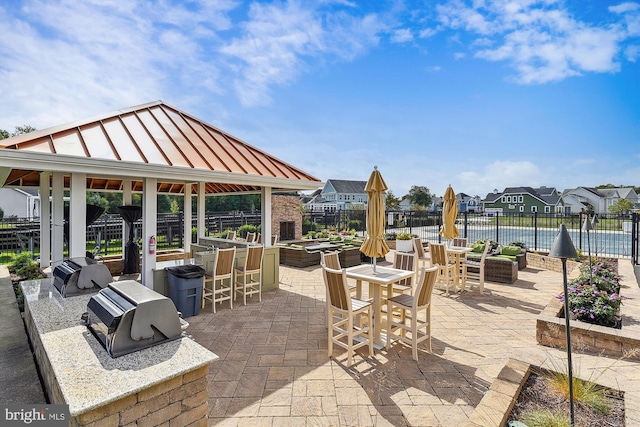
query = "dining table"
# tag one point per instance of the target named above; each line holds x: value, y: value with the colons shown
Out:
x: 378, y: 279
x: 457, y: 255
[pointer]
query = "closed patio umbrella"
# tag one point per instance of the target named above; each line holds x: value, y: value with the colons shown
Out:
x: 374, y: 245
x: 449, y: 214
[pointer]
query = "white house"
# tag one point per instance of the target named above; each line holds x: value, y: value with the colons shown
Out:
x: 338, y: 194
x: 598, y: 200
x: 20, y: 202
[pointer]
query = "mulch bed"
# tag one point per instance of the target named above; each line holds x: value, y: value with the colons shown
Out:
x: 536, y: 393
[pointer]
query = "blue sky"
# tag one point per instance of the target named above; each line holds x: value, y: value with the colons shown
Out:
x: 481, y: 94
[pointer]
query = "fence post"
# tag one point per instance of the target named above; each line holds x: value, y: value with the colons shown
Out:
x: 466, y: 224
x: 535, y: 230
x: 497, y: 226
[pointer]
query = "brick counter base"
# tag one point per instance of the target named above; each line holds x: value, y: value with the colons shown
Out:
x: 180, y: 401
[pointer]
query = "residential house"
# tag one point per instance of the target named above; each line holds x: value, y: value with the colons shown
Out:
x: 20, y: 202
x: 596, y: 200
x: 468, y: 203
x: 436, y: 204
x: 338, y: 194
x: 524, y: 199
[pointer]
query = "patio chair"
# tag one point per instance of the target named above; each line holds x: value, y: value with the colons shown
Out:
x: 332, y: 260
x: 274, y: 240
x: 446, y: 269
x: 421, y: 253
x: 419, y: 330
x: 474, y: 270
x: 248, y: 279
x: 231, y: 235
x: 218, y: 284
x: 259, y: 238
x: 404, y: 261
x: 351, y: 319
x: 460, y: 241
x: 251, y: 237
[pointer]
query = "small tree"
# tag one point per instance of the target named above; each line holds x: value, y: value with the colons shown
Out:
x: 420, y: 196
x: 622, y: 206
x: 391, y: 201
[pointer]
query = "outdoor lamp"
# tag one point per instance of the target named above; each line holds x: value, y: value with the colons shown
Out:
x: 563, y: 248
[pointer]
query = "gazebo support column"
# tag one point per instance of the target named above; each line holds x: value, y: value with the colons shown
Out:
x: 201, y: 214
x: 45, y: 224
x: 78, y: 215
x: 188, y: 214
x: 57, y: 234
x: 265, y: 206
x: 149, y: 227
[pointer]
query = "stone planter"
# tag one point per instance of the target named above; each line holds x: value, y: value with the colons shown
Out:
x: 404, y: 245
x: 547, y: 263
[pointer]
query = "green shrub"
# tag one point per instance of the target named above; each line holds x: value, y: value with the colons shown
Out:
x: 20, y: 261
x: 404, y: 236
x: 247, y: 228
x: 29, y: 272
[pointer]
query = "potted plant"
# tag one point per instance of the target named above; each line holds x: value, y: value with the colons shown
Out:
x: 404, y: 242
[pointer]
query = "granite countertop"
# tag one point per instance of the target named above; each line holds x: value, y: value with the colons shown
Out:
x: 87, y: 376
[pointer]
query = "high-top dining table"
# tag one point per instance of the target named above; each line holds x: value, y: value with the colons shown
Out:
x: 457, y: 254
x: 384, y: 276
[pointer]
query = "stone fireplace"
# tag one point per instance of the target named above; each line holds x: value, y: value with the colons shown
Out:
x: 286, y: 216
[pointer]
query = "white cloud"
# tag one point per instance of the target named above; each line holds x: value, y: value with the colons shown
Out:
x: 625, y: 7
x: 402, y: 35
x: 278, y: 39
x: 541, y: 39
x: 68, y: 60
x: 499, y: 175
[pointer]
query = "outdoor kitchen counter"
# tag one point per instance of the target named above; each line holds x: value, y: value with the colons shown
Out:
x: 153, y: 382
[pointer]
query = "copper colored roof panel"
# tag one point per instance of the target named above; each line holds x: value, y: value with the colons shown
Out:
x: 156, y: 134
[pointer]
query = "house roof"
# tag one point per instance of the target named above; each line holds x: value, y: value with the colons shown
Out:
x: 346, y: 186
x: 547, y: 198
x: 149, y: 140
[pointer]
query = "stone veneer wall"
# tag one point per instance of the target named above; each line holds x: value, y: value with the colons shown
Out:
x: 179, y: 401
x: 286, y: 208
x: 548, y: 263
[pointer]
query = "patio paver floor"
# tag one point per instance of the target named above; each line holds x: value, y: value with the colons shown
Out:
x: 274, y: 369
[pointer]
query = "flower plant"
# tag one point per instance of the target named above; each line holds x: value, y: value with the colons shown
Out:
x: 594, y: 296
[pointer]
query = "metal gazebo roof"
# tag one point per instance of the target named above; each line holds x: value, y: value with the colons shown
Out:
x: 149, y: 140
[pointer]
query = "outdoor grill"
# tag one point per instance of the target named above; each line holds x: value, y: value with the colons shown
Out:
x: 76, y: 276
x: 126, y: 316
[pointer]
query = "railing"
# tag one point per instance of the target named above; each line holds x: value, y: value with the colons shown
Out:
x: 104, y: 236
x: 613, y: 235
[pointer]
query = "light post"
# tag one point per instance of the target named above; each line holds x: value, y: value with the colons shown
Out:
x: 586, y: 226
x: 595, y: 222
x: 563, y: 248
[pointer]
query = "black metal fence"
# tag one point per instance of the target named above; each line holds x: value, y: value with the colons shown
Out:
x: 612, y: 235
x: 104, y: 236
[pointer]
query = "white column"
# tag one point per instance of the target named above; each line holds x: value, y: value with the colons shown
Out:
x: 201, y: 214
x: 78, y: 216
x: 188, y: 214
x: 149, y: 227
x: 57, y: 218
x: 45, y: 220
x: 126, y: 200
x: 265, y: 209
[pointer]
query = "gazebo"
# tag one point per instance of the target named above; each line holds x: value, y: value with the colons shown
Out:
x: 151, y: 148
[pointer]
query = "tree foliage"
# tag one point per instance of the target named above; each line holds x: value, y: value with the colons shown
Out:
x: 622, y: 206
x: 19, y: 131
x: 420, y: 196
x: 391, y: 202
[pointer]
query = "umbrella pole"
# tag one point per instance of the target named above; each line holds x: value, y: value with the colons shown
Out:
x: 374, y: 265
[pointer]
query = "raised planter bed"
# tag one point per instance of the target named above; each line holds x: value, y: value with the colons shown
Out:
x: 300, y: 258
x: 498, y: 270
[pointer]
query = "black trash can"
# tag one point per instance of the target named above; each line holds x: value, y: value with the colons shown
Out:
x: 185, y: 288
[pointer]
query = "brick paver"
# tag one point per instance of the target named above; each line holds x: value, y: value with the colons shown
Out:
x: 274, y: 369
